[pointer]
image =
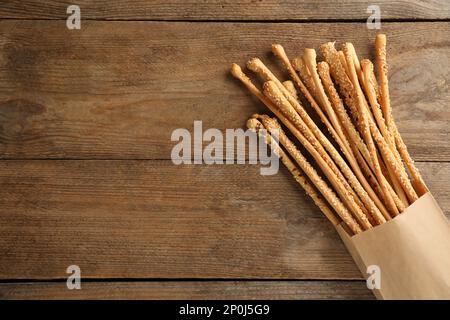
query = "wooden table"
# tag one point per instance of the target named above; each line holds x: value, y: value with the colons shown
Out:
x: 85, y: 123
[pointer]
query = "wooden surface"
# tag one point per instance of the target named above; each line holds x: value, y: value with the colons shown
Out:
x: 119, y: 89
x: 226, y: 10
x: 85, y: 124
x: 151, y: 219
x: 176, y: 290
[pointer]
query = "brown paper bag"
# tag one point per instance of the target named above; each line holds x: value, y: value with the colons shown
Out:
x: 412, y: 252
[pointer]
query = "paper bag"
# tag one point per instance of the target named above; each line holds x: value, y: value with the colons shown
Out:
x: 412, y: 252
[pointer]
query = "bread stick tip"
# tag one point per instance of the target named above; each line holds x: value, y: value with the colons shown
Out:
x: 381, y: 37
x: 366, y: 63
x: 254, y: 64
x: 277, y: 48
x: 309, y: 53
x: 254, y: 124
x: 236, y: 70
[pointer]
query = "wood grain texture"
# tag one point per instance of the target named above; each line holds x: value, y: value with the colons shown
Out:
x: 190, y: 290
x: 118, y: 89
x: 151, y: 219
x: 226, y: 10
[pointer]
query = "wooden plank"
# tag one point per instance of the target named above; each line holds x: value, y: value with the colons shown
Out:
x: 226, y: 10
x: 119, y: 89
x: 189, y: 290
x: 151, y: 219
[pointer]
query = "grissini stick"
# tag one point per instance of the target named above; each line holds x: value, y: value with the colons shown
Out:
x: 369, y: 77
x: 380, y: 53
x: 336, y: 102
x: 342, y: 60
x: 348, y: 92
x: 321, y: 185
x: 324, y: 72
x: 309, y: 58
x: 350, y: 51
x: 236, y: 71
x: 340, y: 75
x: 380, y: 49
x: 255, y: 125
x: 353, y: 135
x: 279, y: 52
x: 256, y: 65
x: 346, y: 88
x: 391, y: 139
x: 370, y: 84
x: 315, y: 135
x: 344, y: 214
x: 289, y: 85
x: 389, y: 173
x: 395, y: 169
x: 417, y: 180
x: 299, y: 65
x: 373, y: 81
x: 313, y: 146
x: 357, y: 98
x: 384, y: 169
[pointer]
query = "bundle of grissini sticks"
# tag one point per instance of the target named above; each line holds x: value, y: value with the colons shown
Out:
x: 363, y: 178
x: 370, y: 177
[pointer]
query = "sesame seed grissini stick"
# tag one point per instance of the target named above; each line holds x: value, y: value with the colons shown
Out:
x: 270, y: 125
x: 342, y: 211
x: 358, y: 173
x: 314, y: 147
x: 395, y: 169
x: 313, y: 133
x: 356, y: 142
x: 380, y: 49
x: 309, y: 62
x: 254, y: 123
x: 352, y: 58
x: 372, y: 182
